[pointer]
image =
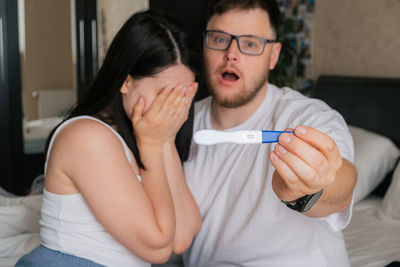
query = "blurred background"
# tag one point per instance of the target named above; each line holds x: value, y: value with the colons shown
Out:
x: 50, y: 50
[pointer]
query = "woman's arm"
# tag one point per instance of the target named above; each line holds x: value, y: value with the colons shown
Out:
x: 188, y: 219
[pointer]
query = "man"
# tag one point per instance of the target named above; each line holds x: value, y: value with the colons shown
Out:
x: 272, y: 204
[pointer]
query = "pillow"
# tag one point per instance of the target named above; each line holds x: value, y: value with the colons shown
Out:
x: 374, y: 156
x: 391, y: 200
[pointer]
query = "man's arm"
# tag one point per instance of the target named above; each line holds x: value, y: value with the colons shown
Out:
x: 308, y: 162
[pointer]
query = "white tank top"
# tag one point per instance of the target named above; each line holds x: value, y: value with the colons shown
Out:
x: 69, y: 226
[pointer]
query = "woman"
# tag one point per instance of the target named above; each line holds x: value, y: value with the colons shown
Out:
x: 115, y: 193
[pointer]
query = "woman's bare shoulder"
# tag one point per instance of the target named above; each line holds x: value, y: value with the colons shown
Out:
x: 84, y: 132
x: 83, y: 140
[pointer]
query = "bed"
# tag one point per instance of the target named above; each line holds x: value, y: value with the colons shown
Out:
x: 370, y: 108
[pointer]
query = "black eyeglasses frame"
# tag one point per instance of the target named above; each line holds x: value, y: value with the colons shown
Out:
x: 236, y: 37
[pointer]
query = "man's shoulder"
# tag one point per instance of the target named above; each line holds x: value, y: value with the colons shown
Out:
x: 287, y: 92
x: 292, y: 108
x: 288, y: 96
x: 202, y: 104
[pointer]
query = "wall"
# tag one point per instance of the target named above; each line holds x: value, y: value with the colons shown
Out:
x: 47, y: 42
x: 111, y: 16
x: 46, y: 60
x: 357, y: 38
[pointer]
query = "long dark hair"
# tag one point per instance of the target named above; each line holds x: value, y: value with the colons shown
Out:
x: 147, y: 43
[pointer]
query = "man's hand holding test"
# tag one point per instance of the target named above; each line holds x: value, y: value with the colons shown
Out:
x: 308, y: 162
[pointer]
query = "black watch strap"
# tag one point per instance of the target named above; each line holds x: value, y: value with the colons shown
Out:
x: 303, y: 203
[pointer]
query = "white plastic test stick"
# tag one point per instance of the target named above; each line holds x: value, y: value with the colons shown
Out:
x: 212, y: 137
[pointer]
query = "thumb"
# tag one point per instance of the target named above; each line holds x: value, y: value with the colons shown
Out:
x: 138, y: 111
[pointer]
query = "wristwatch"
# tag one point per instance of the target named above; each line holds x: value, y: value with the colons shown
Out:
x: 303, y: 203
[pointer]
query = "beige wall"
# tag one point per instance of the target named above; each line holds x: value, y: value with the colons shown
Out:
x: 357, y: 38
x: 47, y: 59
x: 112, y: 15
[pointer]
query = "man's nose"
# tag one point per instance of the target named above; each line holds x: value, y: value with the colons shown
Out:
x: 233, y: 51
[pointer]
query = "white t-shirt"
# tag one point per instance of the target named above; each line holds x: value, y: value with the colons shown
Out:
x: 244, y: 223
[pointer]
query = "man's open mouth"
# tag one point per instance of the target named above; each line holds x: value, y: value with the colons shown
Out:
x: 229, y: 76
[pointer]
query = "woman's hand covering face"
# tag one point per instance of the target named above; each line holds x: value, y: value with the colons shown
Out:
x: 167, y: 113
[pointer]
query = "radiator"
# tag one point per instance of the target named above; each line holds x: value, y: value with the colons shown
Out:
x: 54, y: 102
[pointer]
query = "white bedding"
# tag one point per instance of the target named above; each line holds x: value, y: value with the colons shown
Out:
x: 19, y: 227
x: 372, y: 239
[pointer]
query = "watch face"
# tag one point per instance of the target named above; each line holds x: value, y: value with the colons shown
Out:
x: 312, y: 201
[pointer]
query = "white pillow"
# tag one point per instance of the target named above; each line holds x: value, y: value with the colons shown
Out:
x: 374, y: 156
x: 391, y: 201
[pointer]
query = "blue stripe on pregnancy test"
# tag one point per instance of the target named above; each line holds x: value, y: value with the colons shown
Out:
x: 272, y: 136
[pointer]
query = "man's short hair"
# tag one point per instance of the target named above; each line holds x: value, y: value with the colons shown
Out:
x: 270, y: 6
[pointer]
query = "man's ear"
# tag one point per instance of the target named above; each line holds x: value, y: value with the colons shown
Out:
x: 276, y: 50
x: 127, y: 84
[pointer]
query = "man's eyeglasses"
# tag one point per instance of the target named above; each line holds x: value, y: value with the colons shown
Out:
x: 248, y: 44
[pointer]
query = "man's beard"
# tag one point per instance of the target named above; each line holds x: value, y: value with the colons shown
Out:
x: 242, y: 98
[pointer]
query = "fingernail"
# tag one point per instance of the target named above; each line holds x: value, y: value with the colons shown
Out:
x: 286, y: 138
x: 301, y: 130
x: 273, y: 156
x: 281, y: 149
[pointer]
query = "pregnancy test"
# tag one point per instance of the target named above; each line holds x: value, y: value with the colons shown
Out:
x: 212, y: 137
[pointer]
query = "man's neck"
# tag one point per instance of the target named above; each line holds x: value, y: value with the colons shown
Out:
x: 223, y: 118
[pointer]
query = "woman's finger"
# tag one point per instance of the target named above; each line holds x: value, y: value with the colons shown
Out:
x: 159, y: 101
x: 191, y: 92
x: 172, y: 102
x: 138, y: 111
x: 182, y: 111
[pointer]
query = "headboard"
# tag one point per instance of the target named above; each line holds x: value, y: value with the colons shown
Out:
x: 370, y: 103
